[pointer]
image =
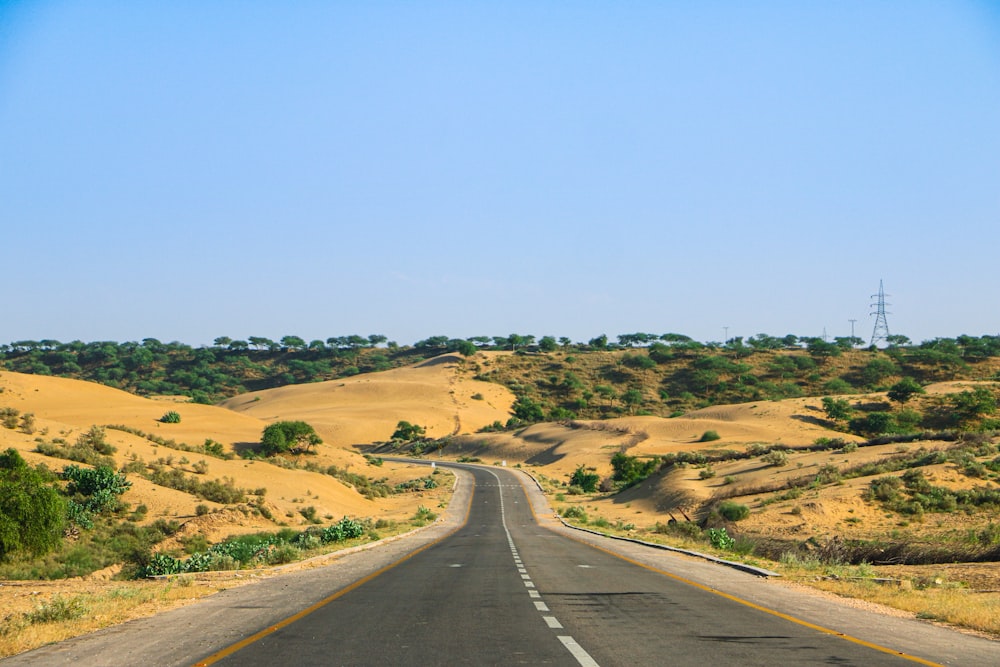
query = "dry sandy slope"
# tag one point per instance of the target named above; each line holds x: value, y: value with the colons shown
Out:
x: 562, y: 447
x: 65, y: 408
x: 436, y: 394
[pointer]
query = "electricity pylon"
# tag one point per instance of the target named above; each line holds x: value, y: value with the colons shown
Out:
x: 881, y: 331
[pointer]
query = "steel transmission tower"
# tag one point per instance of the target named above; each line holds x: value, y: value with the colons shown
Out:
x: 881, y: 331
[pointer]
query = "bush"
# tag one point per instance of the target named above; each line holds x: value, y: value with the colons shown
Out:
x: 58, y: 609
x: 731, y: 511
x: 575, y: 512
x: 586, y: 480
x: 720, y: 539
x: 423, y: 516
x: 407, y: 432
x: 8, y: 417
x: 775, y: 457
x: 172, y: 417
x: 709, y: 436
x: 94, y: 439
x: 630, y: 470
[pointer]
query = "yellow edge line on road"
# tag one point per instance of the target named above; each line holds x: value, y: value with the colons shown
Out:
x: 766, y: 610
x: 229, y: 650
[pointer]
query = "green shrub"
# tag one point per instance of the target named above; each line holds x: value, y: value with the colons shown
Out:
x: 775, y: 457
x: 709, y: 436
x: 58, y: 609
x: 720, y: 539
x: 8, y: 417
x: 585, y: 479
x: 732, y: 511
x: 172, y: 417
x: 630, y: 470
x: 575, y: 512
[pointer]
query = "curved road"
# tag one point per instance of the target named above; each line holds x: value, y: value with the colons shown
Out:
x: 502, y: 589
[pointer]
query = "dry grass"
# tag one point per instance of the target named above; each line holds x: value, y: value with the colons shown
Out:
x: 946, y: 602
x: 55, y: 616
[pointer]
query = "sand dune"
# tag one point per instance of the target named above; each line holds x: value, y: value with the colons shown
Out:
x: 436, y: 394
x: 65, y: 408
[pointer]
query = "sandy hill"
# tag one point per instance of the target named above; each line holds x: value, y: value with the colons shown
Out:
x: 562, y: 447
x: 63, y: 409
x: 441, y: 395
x: 438, y: 394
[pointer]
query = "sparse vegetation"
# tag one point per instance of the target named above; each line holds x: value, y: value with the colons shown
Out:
x: 171, y: 417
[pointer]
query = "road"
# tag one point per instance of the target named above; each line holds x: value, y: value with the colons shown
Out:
x: 506, y: 589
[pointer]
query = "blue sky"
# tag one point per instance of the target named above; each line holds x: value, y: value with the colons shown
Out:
x: 187, y: 170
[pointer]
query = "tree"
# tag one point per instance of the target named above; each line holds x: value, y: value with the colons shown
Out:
x: 897, y: 340
x: 407, y: 432
x: 837, y: 408
x: 32, y: 513
x: 547, y: 344
x: 877, y: 370
x: 466, y: 348
x: 261, y: 343
x: 606, y: 392
x: 874, y: 423
x: 848, y: 342
x: 970, y: 406
x: 292, y: 343
x: 288, y: 436
x: 527, y: 410
x: 818, y: 347
x: 904, y: 390
x: 222, y: 341
x: 632, y: 398
x: 599, y: 343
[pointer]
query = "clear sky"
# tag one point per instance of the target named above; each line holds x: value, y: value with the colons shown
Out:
x: 185, y: 170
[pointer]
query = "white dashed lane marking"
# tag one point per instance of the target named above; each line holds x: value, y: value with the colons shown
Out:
x: 552, y: 622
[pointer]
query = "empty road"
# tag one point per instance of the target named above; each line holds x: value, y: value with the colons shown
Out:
x: 503, y: 589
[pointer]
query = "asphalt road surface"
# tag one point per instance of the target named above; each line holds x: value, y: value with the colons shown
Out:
x: 505, y: 588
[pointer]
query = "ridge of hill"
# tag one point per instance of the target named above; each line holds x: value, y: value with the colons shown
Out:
x: 590, y: 381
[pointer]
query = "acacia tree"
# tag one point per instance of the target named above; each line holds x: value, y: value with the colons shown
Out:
x: 904, y: 390
x: 407, y: 432
x: 837, y: 408
x: 288, y: 436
